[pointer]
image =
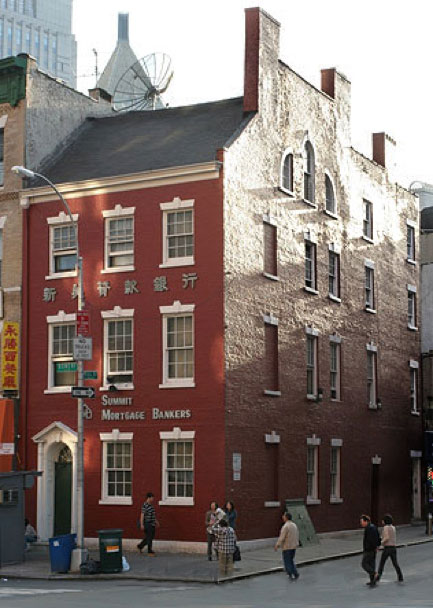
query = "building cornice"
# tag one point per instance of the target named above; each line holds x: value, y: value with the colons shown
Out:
x: 122, y: 183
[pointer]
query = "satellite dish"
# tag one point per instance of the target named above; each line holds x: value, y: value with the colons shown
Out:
x: 141, y: 86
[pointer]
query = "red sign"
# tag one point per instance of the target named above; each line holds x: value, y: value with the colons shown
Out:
x: 83, y: 323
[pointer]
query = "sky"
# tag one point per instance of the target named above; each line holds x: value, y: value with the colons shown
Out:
x: 382, y: 46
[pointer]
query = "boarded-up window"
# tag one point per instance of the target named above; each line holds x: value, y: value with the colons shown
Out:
x: 270, y: 249
x: 271, y: 357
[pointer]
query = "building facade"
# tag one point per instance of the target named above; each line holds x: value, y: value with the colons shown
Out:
x: 42, y: 29
x: 253, y: 308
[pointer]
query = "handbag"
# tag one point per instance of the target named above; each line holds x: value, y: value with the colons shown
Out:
x: 237, y: 554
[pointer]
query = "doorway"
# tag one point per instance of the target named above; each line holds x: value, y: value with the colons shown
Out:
x: 63, y: 492
x: 416, y: 488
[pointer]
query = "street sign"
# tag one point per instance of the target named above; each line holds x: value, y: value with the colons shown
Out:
x: 90, y: 375
x: 70, y: 366
x: 82, y: 348
x: 83, y: 323
x: 83, y: 392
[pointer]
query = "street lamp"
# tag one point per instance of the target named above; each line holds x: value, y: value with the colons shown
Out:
x: 80, y: 553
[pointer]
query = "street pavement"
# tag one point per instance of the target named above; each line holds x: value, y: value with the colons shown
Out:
x: 195, y: 568
x: 330, y: 584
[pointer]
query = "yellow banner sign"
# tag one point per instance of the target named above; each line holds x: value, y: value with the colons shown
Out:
x: 10, y: 358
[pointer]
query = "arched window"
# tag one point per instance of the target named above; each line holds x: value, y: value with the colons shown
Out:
x: 309, y: 170
x: 330, y: 196
x: 287, y: 173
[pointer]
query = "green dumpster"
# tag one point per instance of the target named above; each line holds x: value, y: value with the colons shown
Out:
x: 110, y: 550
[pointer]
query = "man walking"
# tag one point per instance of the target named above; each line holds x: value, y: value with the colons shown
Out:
x: 148, y: 522
x: 389, y: 542
x: 371, y: 542
x: 225, y: 541
x: 288, y: 541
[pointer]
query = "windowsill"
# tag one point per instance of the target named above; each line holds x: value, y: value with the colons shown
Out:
x: 336, y: 400
x: 118, y: 269
x: 372, y: 311
x: 119, y: 387
x: 313, y: 501
x: 334, y: 298
x: 307, y: 202
x: 288, y: 192
x: 120, y: 500
x: 55, y: 390
x: 410, y: 261
x: 333, y: 215
x: 272, y: 277
x: 312, y: 398
x: 372, y: 406
x: 60, y: 275
x: 311, y: 290
x: 177, y: 262
x: 415, y: 413
x: 272, y: 503
x: 176, y: 502
x: 185, y: 384
x: 368, y: 239
x: 335, y: 501
x: 272, y: 393
x: 412, y: 327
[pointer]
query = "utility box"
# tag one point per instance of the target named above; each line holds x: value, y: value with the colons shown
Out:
x: 110, y: 550
x: 307, y: 533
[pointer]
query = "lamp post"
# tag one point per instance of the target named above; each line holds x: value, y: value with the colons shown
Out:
x: 80, y: 552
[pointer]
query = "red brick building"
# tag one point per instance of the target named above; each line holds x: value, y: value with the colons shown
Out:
x: 251, y: 281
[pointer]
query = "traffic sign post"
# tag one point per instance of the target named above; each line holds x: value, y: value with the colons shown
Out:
x: 82, y: 348
x: 83, y: 323
x: 90, y: 375
x: 83, y: 392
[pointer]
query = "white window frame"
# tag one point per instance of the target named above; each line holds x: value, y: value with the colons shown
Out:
x: 335, y: 374
x: 288, y: 154
x: 334, y: 212
x: 313, y: 444
x: 175, y: 435
x: 410, y: 242
x: 312, y: 337
x: 117, y: 314
x: 109, y: 215
x: 369, y: 291
x: 175, y: 310
x: 372, y: 377
x: 334, y: 283
x: 270, y: 221
x: 335, y: 472
x: 61, y: 318
x: 310, y: 263
x: 309, y: 172
x: 411, y: 307
x: 367, y: 220
x: 113, y: 437
x: 59, y: 221
x: 176, y: 204
x: 413, y: 371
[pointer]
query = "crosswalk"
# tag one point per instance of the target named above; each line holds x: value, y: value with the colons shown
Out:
x: 19, y: 591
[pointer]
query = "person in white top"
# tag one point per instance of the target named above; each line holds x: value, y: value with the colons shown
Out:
x: 389, y: 541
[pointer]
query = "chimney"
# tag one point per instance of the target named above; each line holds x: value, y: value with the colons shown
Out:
x: 328, y: 81
x: 123, y: 27
x: 99, y: 94
x: 338, y: 87
x: 262, y: 42
x: 384, y: 152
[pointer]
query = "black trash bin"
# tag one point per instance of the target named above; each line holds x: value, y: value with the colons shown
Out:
x: 110, y: 550
x: 60, y: 551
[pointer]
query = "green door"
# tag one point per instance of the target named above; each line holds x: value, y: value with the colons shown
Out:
x: 62, y: 493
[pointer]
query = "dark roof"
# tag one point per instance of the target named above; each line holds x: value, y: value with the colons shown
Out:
x: 141, y: 141
x: 427, y: 218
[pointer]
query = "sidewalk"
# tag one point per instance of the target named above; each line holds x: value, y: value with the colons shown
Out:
x: 197, y: 569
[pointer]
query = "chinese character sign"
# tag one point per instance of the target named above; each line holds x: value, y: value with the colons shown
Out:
x: 10, y: 346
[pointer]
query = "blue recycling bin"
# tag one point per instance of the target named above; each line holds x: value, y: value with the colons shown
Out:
x: 60, y: 552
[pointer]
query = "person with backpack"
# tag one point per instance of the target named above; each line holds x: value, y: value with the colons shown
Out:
x: 389, y: 542
x: 371, y: 542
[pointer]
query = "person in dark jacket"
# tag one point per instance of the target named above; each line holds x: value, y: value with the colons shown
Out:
x: 371, y: 542
x: 231, y: 514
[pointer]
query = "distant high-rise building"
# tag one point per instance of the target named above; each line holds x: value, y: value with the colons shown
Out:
x: 43, y: 29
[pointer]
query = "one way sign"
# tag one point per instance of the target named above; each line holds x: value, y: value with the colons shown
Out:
x: 83, y: 392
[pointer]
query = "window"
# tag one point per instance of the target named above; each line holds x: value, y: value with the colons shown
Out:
x: 64, y: 249
x: 410, y: 243
x: 18, y: 38
x: 54, y: 53
x: 413, y: 388
x: 178, y: 346
x: 37, y: 40
x: 367, y: 229
x: 9, y: 41
x: 287, y: 173
x: 119, y: 242
x: 335, y: 365
x: 62, y: 368
x: 177, y: 467
x: 371, y: 378
x: 312, y: 474
x: 119, y: 352
x: 2, y: 169
x: 116, y: 486
x: 335, y: 473
x: 28, y: 40
x: 369, y: 288
x: 331, y: 206
x: 312, y: 368
x: 45, y: 56
x: 271, y: 356
x: 309, y: 173
x: 269, y: 248
x: 310, y: 265
x: 334, y: 274
x: 178, y: 233
x: 411, y: 307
